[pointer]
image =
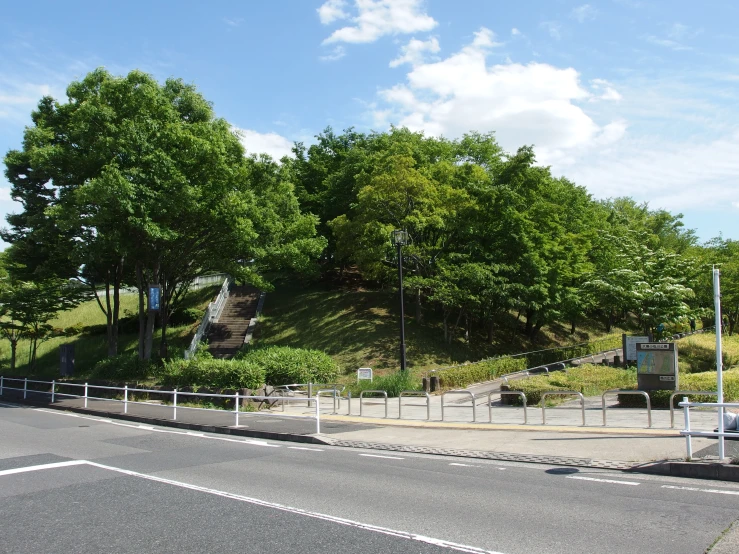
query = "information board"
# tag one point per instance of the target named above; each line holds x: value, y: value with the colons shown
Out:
x: 155, y: 293
x: 629, y: 345
x: 364, y: 374
x: 656, y: 365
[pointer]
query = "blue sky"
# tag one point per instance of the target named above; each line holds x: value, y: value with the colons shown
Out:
x: 625, y: 97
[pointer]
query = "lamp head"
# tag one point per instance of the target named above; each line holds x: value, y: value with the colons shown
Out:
x: 399, y: 237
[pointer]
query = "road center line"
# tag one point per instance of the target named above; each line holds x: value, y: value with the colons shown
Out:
x: 695, y: 489
x: 378, y: 456
x: 614, y: 481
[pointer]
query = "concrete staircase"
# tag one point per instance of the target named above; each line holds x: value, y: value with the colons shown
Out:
x: 226, y: 337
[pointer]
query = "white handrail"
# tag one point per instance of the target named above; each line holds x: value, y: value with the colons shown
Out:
x: 212, y: 315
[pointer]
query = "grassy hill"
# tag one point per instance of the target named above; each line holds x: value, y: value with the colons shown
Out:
x: 360, y: 328
x: 84, y: 326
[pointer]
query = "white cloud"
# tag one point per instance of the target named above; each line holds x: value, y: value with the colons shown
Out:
x: 331, y: 11
x: 233, y: 22
x: 667, y: 43
x: 515, y: 32
x: 735, y: 204
x: 18, y: 97
x: 413, y: 52
x: 677, y: 31
x: 273, y: 144
x: 605, y: 90
x: 337, y: 53
x: 553, y: 28
x: 583, y: 13
x: 377, y: 18
x: 524, y: 104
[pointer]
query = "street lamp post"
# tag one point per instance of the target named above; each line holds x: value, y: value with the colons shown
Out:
x: 400, y: 239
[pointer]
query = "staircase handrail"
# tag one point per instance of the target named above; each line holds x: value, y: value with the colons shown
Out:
x: 212, y: 315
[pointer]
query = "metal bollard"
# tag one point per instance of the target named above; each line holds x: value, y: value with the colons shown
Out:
x: 25, y: 387
x: 174, y: 405
x: 688, y: 441
x: 53, y: 386
x: 236, y: 407
x: 85, y: 395
x: 349, y: 403
x: 1, y: 385
x: 125, y: 399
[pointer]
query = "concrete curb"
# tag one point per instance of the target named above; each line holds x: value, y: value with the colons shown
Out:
x: 693, y: 470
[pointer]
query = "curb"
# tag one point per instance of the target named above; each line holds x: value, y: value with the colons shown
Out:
x: 692, y: 470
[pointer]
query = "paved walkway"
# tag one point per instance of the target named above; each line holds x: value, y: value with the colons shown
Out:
x: 625, y: 440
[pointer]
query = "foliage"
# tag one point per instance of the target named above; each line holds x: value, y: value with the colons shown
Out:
x: 393, y: 384
x: 205, y: 371
x: 463, y: 375
x: 124, y: 367
x: 284, y: 365
x: 692, y: 381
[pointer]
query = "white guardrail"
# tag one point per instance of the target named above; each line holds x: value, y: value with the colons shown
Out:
x: 212, y: 315
x: 128, y: 393
x: 688, y: 433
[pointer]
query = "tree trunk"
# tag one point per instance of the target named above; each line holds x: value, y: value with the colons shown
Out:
x: 490, y: 329
x: 530, y: 317
x: 446, y: 326
x: 113, y: 332
x: 142, y: 315
x: 573, y: 326
x: 108, y: 313
x: 419, y: 313
x: 13, y: 350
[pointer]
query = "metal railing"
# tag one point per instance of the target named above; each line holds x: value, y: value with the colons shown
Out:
x: 501, y: 393
x: 417, y: 394
x: 561, y: 393
x: 212, y: 314
x: 361, y: 397
x: 685, y: 393
x: 333, y: 395
x: 688, y: 433
x: 472, y: 397
x: 127, y: 392
x: 618, y: 391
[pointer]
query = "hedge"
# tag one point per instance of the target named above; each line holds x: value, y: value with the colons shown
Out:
x: 463, y: 375
x: 213, y: 373
x: 284, y: 365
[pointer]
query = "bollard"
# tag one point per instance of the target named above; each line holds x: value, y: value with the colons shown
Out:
x: 434, y: 383
x: 688, y: 442
x: 25, y: 387
x: 125, y: 399
x: 1, y: 385
x: 174, y: 405
x: 617, y: 360
x: 236, y: 407
x: 85, y: 395
x: 53, y: 386
x: 425, y: 382
x: 349, y: 403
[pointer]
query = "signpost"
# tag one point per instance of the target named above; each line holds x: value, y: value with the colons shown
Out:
x: 656, y: 365
x: 364, y: 374
x: 155, y: 296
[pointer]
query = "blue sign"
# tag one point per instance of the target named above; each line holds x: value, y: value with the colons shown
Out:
x: 155, y: 293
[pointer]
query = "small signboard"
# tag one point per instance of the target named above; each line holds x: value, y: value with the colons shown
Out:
x: 656, y: 365
x: 155, y: 296
x: 364, y: 374
x: 629, y: 345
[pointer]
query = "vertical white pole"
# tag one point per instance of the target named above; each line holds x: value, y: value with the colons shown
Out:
x: 318, y: 416
x: 174, y: 405
x: 719, y: 360
x: 688, y: 438
x: 236, y: 407
x: 1, y: 385
x: 85, y: 395
x: 125, y: 399
x: 25, y: 387
x: 53, y: 386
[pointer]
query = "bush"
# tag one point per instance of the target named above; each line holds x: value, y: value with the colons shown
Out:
x: 463, y: 375
x: 212, y: 373
x: 124, y: 367
x: 73, y: 330
x: 186, y: 316
x: 393, y: 384
x: 284, y: 365
x: 689, y: 381
x: 533, y: 388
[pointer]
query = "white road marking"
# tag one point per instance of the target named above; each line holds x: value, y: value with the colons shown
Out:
x: 378, y: 456
x: 694, y: 489
x: 462, y: 465
x: 304, y: 448
x: 195, y: 434
x: 316, y: 515
x: 261, y: 443
x: 147, y: 427
x: 42, y: 467
x: 614, y: 481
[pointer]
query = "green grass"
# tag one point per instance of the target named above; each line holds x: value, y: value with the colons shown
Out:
x: 91, y: 344
x: 360, y: 328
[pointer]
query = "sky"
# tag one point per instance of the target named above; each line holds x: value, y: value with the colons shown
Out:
x: 624, y: 97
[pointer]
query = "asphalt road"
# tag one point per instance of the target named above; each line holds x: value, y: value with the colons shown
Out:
x: 71, y: 483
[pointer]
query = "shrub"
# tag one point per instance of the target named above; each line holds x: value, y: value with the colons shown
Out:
x: 212, y: 373
x: 463, y: 375
x: 533, y: 388
x: 73, y: 330
x: 185, y: 316
x: 285, y: 365
x: 393, y: 384
x: 123, y: 367
x: 690, y: 381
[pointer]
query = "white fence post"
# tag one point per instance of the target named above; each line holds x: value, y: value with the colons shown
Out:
x: 688, y: 441
x: 236, y: 407
x: 25, y: 387
x: 53, y: 386
x: 174, y: 405
x: 85, y: 395
x: 125, y: 399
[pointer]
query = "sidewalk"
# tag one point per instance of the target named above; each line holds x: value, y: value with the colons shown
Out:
x: 626, y: 444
